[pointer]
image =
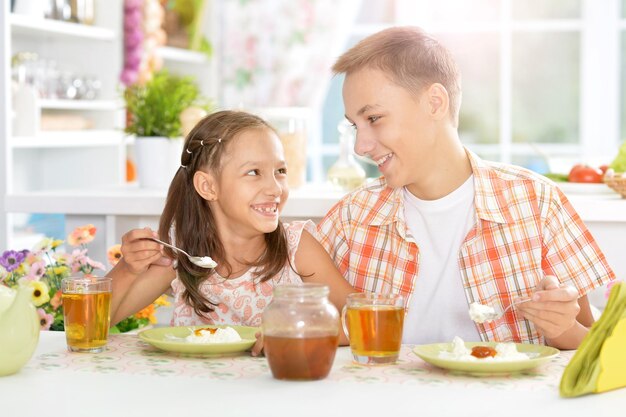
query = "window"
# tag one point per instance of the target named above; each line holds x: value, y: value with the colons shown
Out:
x: 540, y: 79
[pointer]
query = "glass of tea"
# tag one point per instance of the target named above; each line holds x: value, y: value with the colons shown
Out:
x: 86, y: 312
x: 373, y: 324
x: 300, y: 332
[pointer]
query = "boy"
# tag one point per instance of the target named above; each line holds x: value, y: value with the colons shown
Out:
x: 443, y: 227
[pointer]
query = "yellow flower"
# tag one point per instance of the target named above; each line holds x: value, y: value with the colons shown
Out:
x: 60, y: 270
x: 40, y: 292
x: 114, y: 254
x: 147, y: 313
x: 56, y: 243
x: 82, y: 235
x: 162, y: 301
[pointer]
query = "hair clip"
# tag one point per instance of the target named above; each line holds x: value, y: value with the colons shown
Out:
x: 188, y: 151
x: 202, y: 142
x: 183, y: 166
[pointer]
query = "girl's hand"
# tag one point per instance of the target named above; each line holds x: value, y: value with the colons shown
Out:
x: 257, y: 349
x: 553, y: 308
x: 138, y: 252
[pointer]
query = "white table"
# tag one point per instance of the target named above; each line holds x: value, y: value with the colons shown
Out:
x: 133, y: 379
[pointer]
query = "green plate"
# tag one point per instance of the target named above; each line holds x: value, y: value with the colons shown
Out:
x: 539, y: 355
x: 157, y: 337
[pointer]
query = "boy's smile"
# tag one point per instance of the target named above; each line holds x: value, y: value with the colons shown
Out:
x: 391, y: 125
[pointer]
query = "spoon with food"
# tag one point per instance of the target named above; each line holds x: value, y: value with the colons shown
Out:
x: 201, y: 261
x: 481, y: 313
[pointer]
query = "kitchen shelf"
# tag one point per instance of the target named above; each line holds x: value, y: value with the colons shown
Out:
x: 169, y: 53
x: 25, y: 25
x: 53, y: 104
x: 69, y: 139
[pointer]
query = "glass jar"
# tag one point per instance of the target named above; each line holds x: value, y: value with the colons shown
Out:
x: 300, y: 332
x: 346, y: 174
x: 292, y: 124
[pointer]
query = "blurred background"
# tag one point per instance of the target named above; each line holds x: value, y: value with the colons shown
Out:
x: 543, y: 82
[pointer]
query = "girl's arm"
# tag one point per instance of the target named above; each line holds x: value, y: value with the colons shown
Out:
x: 138, y: 291
x: 315, y: 265
x: 142, y: 265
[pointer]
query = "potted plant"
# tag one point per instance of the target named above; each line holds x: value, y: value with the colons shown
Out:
x: 153, y: 116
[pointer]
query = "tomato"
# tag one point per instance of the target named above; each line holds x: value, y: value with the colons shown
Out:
x: 603, y: 168
x: 585, y: 173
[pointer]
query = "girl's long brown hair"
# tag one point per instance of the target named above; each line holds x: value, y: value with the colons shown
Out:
x: 190, y: 218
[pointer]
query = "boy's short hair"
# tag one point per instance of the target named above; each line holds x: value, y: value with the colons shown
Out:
x: 411, y: 58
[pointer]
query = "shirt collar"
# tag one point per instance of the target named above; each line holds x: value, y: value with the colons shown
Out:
x: 491, y: 191
x: 490, y: 200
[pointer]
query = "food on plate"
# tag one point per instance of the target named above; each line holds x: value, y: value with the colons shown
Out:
x: 503, y: 352
x: 585, y: 173
x: 483, y: 351
x: 209, y: 335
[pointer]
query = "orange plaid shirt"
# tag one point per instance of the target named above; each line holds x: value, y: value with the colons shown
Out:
x: 525, y: 229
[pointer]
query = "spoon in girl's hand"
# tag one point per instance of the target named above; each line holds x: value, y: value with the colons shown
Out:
x: 201, y: 261
x: 481, y: 313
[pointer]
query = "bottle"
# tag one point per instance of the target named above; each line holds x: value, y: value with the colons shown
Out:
x: 300, y: 332
x: 346, y: 174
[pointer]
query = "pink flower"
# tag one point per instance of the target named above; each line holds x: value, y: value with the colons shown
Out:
x: 36, y: 271
x: 45, y: 319
x: 609, y: 286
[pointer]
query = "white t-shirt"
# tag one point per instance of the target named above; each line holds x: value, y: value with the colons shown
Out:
x: 438, y: 309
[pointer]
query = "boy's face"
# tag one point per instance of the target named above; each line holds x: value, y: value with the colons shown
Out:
x: 252, y: 185
x: 393, y: 127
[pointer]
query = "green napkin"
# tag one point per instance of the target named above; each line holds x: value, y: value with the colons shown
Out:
x: 600, y: 362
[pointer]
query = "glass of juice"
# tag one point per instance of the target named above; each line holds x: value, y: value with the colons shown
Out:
x: 86, y: 312
x: 300, y: 332
x: 373, y: 324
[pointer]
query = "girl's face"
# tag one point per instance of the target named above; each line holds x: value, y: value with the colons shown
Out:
x: 251, y: 187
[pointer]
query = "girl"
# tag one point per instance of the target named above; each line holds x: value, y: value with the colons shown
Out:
x: 224, y: 202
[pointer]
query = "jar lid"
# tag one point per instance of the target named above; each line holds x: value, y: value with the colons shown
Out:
x: 304, y: 290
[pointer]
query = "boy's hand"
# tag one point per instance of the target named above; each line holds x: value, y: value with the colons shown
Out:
x: 553, y: 307
x: 257, y: 349
x: 138, y: 252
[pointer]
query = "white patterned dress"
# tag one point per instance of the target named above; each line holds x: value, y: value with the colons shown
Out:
x: 241, y: 300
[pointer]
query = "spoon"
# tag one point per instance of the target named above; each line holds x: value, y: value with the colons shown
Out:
x: 481, y: 313
x: 201, y: 261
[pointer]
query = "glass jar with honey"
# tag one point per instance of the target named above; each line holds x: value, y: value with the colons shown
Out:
x: 300, y: 332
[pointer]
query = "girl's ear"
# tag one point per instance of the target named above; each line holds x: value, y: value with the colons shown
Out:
x: 205, y: 185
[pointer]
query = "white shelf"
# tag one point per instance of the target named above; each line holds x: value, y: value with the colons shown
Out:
x: 169, y: 53
x: 51, y: 104
x: 29, y: 25
x: 69, y: 139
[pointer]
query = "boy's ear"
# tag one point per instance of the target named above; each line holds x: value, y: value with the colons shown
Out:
x: 205, y: 185
x: 438, y: 101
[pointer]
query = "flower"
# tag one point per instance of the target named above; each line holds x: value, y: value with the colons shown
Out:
x: 11, y: 260
x: 40, y: 292
x: 43, y: 268
x: 82, y: 235
x: 610, y: 286
x: 114, y: 254
x: 45, y: 319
